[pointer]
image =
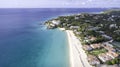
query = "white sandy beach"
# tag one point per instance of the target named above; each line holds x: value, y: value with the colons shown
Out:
x: 78, y: 57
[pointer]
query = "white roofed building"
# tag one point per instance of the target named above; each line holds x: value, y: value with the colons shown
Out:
x: 56, y: 22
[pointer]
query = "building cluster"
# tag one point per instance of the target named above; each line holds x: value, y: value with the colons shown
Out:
x: 107, y: 56
x: 104, y: 57
x: 53, y: 24
x: 93, y: 60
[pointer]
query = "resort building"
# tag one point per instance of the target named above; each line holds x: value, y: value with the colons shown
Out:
x: 87, y: 47
x: 52, y: 25
x: 107, y: 56
x: 104, y: 57
x: 74, y: 27
x: 96, y: 46
x: 112, y: 54
x: 108, y: 46
x: 56, y: 22
x: 93, y: 60
x: 93, y: 38
x: 76, y: 17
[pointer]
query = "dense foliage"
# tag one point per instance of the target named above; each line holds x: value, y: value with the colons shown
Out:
x: 109, y: 22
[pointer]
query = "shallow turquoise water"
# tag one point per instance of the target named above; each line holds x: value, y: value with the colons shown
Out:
x: 55, y: 52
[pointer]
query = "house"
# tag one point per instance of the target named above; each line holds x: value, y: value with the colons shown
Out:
x: 87, y: 47
x: 64, y: 24
x: 96, y: 46
x: 110, y: 19
x: 78, y: 33
x: 76, y: 18
x: 52, y: 25
x: 94, y: 28
x: 106, y: 36
x: 68, y: 24
x: 117, y: 31
x: 74, y: 27
x: 87, y: 20
x: 113, y: 16
x: 113, y: 26
x: 108, y: 46
x: 104, y: 57
x: 107, y: 56
x: 101, y: 32
x: 93, y: 60
x: 95, y: 17
x: 93, y: 38
x: 56, y: 22
x: 112, y: 54
x: 89, y: 38
x: 86, y: 39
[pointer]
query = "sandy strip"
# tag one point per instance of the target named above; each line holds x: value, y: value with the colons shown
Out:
x: 61, y: 29
x: 78, y: 57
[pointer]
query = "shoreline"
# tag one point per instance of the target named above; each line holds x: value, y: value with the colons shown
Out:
x: 78, y: 57
x: 62, y: 29
x: 70, y: 50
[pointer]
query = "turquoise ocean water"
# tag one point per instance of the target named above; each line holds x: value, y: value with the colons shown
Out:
x: 25, y: 41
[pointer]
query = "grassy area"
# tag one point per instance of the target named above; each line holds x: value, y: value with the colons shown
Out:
x: 112, y: 62
x: 96, y: 52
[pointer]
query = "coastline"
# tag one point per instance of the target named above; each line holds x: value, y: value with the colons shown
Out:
x: 78, y: 57
x: 61, y: 29
x: 93, y: 37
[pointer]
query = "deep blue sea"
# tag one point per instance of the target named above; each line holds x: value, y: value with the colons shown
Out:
x: 25, y: 41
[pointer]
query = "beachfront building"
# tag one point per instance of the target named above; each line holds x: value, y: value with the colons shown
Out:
x: 86, y: 39
x: 93, y: 38
x: 107, y: 56
x: 78, y: 33
x: 112, y: 54
x: 89, y: 38
x: 96, y: 46
x: 56, y: 22
x: 104, y: 57
x: 74, y: 27
x: 87, y: 47
x: 93, y: 60
x: 108, y: 46
x: 52, y: 25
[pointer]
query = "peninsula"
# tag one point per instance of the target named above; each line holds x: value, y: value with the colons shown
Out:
x: 92, y: 37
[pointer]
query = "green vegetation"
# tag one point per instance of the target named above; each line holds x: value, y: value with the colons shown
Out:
x: 107, y: 22
x: 114, y: 61
x: 96, y: 52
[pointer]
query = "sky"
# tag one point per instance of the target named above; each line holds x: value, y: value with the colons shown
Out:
x: 59, y: 3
